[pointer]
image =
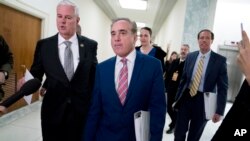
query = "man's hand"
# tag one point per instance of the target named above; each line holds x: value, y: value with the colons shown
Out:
x: 244, y: 56
x: 42, y: 91
x: 2, y: 78
x: 3, y: 110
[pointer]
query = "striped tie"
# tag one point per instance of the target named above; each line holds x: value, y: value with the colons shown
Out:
x: 123, y: 81
x: 68, y: 60
x: 197, y: 77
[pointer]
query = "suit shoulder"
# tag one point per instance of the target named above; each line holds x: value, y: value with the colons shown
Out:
x: 149, y: 59
x: 219, y: 56
x: 49, y: 39
x: 108, y: 61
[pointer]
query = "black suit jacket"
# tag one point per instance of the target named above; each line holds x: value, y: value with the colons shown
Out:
x: 172, y: 86
x: 159, y: 54
x: 60, y: 91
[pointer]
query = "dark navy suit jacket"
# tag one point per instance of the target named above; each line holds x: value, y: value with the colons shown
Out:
x: 216, y: 79
x: 108, y: 119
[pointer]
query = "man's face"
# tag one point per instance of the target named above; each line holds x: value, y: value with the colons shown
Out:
x: 66, y: 21
x: 122, y: 38
x: 205, y: 41
x: 184, y: 51
x: 145, y: 37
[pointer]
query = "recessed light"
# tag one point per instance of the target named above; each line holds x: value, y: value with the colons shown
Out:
x: 134, y: 4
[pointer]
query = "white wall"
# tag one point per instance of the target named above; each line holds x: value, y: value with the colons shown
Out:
x: 171, y: 32
x: 95, y: 24
x: 229, y: 15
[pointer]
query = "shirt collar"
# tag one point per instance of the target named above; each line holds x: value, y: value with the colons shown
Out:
x: 130, y: 58
x: 206, y: 54
x: 61, y: 39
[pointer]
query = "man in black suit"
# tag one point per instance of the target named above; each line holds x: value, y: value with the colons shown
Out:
x: 173, y: 78
x: 236, y: 123
x: 6, y: 63
x: 67, y: 99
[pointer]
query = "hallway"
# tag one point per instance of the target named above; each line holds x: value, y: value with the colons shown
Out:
x: 24, y: 125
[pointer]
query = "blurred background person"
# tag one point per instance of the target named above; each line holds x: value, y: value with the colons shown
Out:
x: 172, y: 82
x: 173, y: 56
x: 6, y: 64
x: 78, y: 29
x: 147, y: 46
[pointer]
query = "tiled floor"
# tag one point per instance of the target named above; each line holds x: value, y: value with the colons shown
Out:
x: 24, y: 125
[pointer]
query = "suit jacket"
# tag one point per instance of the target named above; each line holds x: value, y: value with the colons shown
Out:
x: 216, y: 79
x: 108, y: 119
x: 159, y: 54
x: 60, y: 91
x: 237, y: 117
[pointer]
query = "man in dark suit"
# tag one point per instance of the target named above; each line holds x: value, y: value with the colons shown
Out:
x: 212, y: 71
x: 111, y: 116
x: 66, y: 102
x: 173, y: 78
x: 6, y: 63
x: 237, y: 118
x: 44, y: 86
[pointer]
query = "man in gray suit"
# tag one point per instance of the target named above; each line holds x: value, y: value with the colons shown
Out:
x: 67, y: 99
x: 190, y: 101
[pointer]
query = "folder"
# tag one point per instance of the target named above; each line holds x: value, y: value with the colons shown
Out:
x: 141, y: 122
x: 210, y: 104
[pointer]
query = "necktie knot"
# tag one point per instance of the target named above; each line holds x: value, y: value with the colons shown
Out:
x: 67, y: 43
x: 124, y: 61
x: 202, y: 57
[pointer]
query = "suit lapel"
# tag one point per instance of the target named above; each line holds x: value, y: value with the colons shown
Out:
x: 192, y: 62
x: 81, y: 47
x: 210, y: 66
x: 110, y: 77
x: 135, y: 75
x: 58, y: 65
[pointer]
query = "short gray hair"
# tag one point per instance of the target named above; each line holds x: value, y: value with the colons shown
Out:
x: 69, y: 3
x: 132, y: 23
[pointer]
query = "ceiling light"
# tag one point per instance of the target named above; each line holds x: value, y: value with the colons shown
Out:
x: 140, y: 24
x: 134, y: 4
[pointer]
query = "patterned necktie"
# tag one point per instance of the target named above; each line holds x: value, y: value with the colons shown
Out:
x: 197, y: 77
x: 123, y: 81
x: 68, y: 60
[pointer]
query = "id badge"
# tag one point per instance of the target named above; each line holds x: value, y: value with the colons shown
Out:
x: 175, y: 76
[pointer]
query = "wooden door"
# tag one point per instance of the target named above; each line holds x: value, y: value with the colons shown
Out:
x: 21, y: 32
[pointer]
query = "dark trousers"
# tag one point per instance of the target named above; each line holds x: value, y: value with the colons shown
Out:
x: 69, y: 129
x: 171, y: 112
x: 190, y: 117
